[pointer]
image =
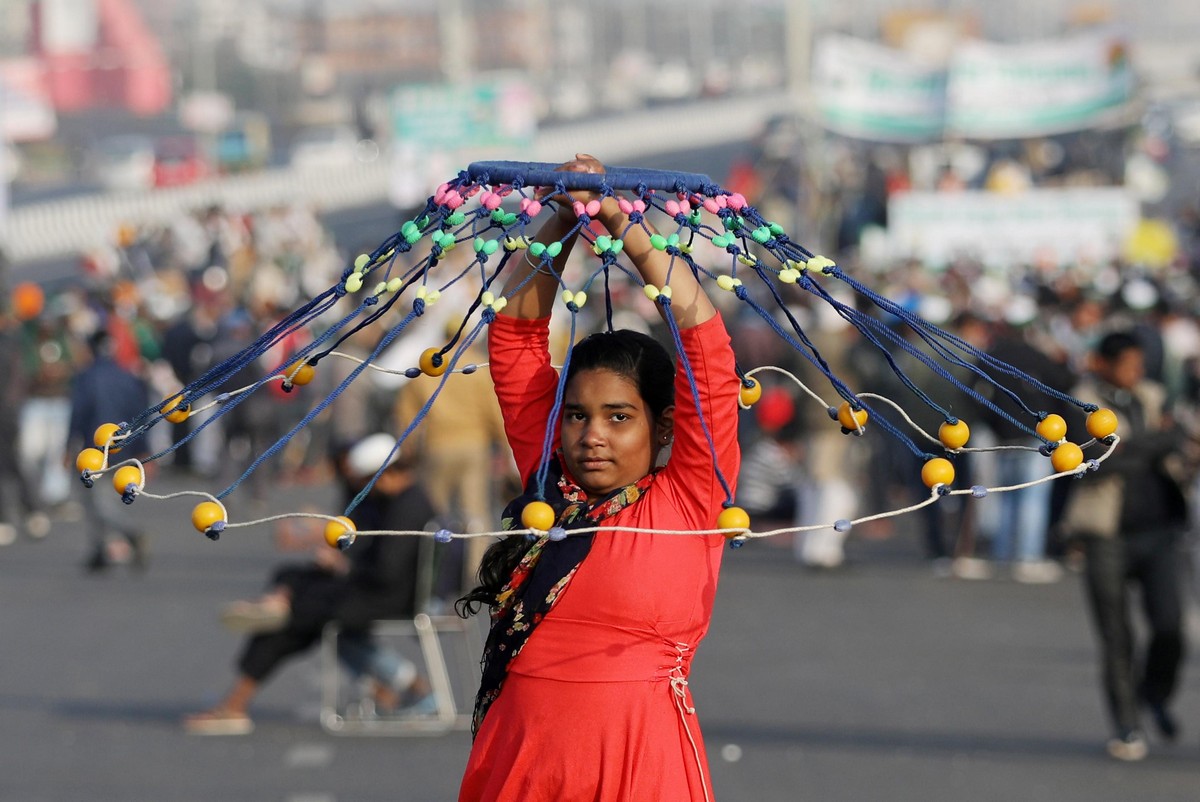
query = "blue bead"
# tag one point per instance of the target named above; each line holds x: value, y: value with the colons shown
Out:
x: 841, y: 525
x: 557, y: 533
x: 1093, y: 465
x: 412, y: 373
x: 978, y: 491
x: 737, y: 543
x: 469, y: 369
x: 443, y: 536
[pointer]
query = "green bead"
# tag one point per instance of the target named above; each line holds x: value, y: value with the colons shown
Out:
x: 617, y: 246
x: 497, y: 215
x: 412, y: 236
x: 695, y: 218
x: 456, y: 219
x: 673, y: 241
x: 554, y: 249
x: 603, y: 243
x: 422, y: 221
x: 721, y: 240
x: 509, y: 218
x: 490, y: 246
x: 479, y: 242
x: 761, y: 234
x: 776, y: 229
x: 408, y: 228
x: 658, y: 242
x: 537, y: 249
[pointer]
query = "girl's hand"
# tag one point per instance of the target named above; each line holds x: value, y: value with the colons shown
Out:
x: 582, y: 163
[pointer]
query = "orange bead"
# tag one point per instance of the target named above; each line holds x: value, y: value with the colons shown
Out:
x: 301, y: 373
x: 734, y: 518
x: 125, y: 476
x: 90, y: 459
x: 428, y: 365
x: 1067, y: 457
x: 175, y: 411
x: 937, y: 471
x: 1102, y: 423
x: 852, y: 419
x: 27, y: 300
x: 1052, y: 427
x: 538, y: 515
x: 336, y: 530
x: 205, y: 514
x: 954, y: 435
x: 751, y: 394
x: 103, y: 436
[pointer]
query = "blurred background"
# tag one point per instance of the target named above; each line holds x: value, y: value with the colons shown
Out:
x: 179, y: 174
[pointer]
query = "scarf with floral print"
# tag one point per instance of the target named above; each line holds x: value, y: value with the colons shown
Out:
x: 543, y: 573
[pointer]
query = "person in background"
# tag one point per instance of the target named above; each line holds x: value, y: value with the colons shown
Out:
x: 1130, y: 516
x: 104, y: 392
x: 375, y: 579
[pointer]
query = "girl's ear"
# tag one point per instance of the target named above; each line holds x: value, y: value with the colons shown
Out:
x: 664, y: 430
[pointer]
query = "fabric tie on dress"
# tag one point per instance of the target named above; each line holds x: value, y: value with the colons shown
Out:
x: 543, y: 573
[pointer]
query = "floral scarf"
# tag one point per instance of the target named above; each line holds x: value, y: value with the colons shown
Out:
x: 543, y: 574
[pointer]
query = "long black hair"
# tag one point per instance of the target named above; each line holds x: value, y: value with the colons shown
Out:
x: 633, y: 355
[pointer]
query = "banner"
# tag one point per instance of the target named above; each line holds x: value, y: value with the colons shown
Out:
x: 1085, y: 224
x: 869, y: 91
x: 1002, y: 91
x: 486, y: 113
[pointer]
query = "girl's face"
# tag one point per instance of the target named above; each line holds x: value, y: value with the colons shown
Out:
x: 610, y: 437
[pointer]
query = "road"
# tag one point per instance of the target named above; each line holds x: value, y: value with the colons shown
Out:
x: 876, y: 682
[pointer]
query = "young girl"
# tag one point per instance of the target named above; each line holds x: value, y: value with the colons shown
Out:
x: 584, y: 692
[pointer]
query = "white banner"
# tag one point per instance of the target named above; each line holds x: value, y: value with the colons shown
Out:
x: 869, y: 91
x: 998, y: 91
x: 1086, y: 224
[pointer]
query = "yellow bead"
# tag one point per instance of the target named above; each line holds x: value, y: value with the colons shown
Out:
x: 937, y: 471
x: 734, y: 518
x: 337, y: 529
x: 538, y: 515
x: 851, y: 419
x: 301, y: 373
x: 125, y: 476
x: 427, y: 365
x: 954, y: 435
x: 90, y: 459
x: 1053, y: 428
x: 175, y: 411
x: 1102, y: 423
x: 205, y: 514
x: 103, y: 436
x: 749, y: 395
x: 1067, y: 457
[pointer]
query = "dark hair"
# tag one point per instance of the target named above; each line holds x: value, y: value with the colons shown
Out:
x: 1116, y: 343
x: 639, y: 358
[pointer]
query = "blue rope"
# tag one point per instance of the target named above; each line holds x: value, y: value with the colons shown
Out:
x: 552, y: 421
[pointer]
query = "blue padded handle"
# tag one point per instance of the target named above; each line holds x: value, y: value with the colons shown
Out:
x: 544, y: 174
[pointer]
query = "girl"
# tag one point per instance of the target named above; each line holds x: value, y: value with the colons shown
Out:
x: 584, y: 692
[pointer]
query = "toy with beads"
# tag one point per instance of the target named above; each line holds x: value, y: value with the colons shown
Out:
x: 490, y: 209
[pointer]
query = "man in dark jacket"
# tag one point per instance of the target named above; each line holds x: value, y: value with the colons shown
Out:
x: 1130, y: 516
x: 376, y: 578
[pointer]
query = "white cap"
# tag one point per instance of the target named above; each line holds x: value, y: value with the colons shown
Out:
x: 368, y: 455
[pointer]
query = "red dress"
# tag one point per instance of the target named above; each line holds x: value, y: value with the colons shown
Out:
x: 596, y: 705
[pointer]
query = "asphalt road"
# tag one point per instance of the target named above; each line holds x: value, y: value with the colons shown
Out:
x: 876, y: 682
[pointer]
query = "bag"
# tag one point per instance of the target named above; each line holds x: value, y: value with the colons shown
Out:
x: 1094, y: 507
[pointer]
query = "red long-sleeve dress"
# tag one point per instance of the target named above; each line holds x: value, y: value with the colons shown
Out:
x: 596, y: 706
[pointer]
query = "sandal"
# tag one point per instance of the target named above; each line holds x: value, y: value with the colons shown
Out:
x: 218, y: 722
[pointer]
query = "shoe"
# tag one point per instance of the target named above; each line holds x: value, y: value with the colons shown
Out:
x: 424, y: 707
x: 1129, y: 746
x: 971, y: 568
x: 139, y: 556
x: 218, y: 722
x: 37, y: 525
x: 1164, y: 721
x: 253, y: 618
x: 1037, y: 572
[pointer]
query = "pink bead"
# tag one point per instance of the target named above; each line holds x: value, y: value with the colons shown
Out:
x: 470, y: 193
x: 710, y: 205
x: 530, y: 206
x: 503, y: 190
x: 639, y: 205
x: 737, y: 201
x: 579, y: 209
x: 625, y: 206
x: 453, y: 199
x: 685, y: 207
x: 491, y: 201
x: 672, y: 207
x: 440, y: 194
x: 592, y: 208
x: 722, y: 201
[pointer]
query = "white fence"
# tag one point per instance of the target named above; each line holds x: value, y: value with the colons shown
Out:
x: 73, y: 225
